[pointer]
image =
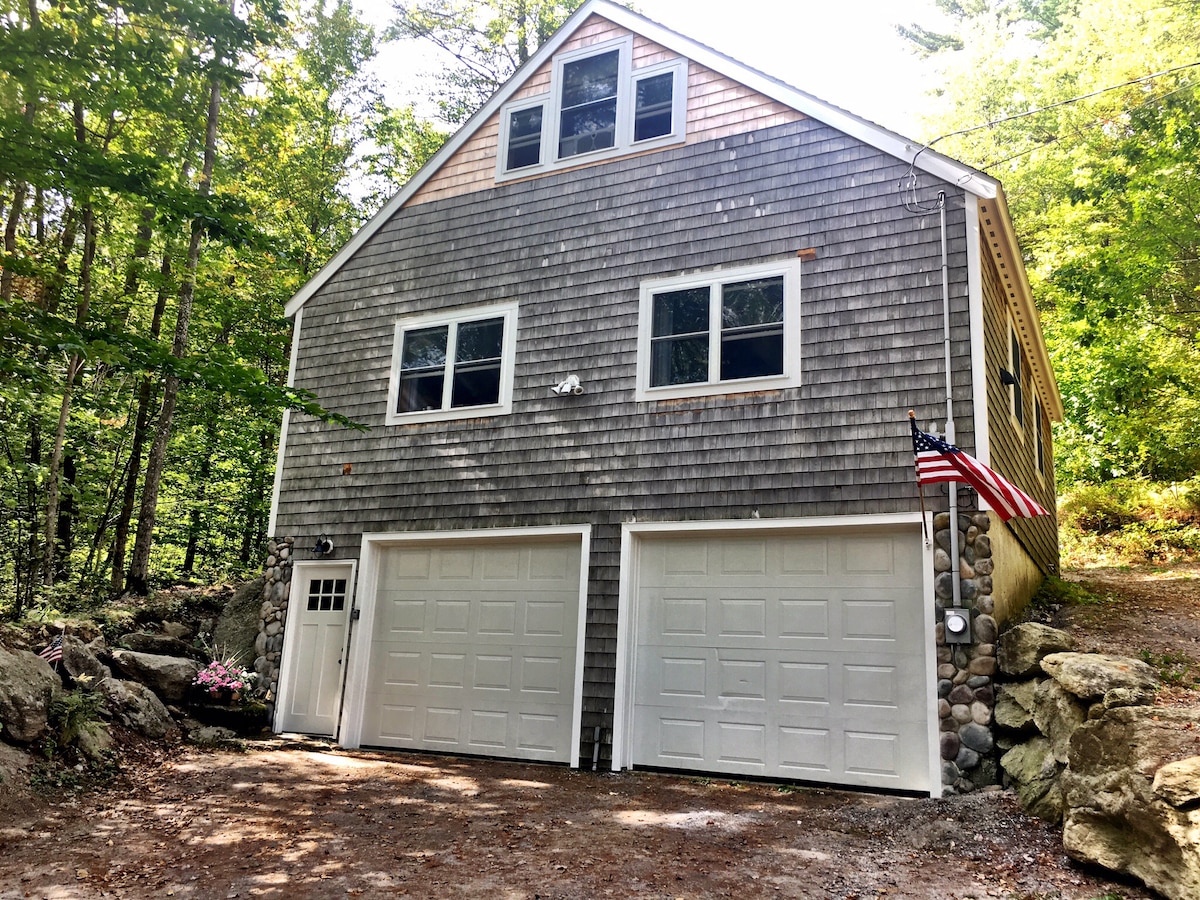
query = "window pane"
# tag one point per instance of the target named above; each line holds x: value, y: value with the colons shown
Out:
x: 586, y: 128
x: 479, y: 340
x: 652, y: 107
x: 682, y: 360
x: 589, y: 104
x: 752, y: 352
x: 752, y: 303
x: 525, y: 138
x: 421, y: 391
x: 752, y: 329
x: 424, y: 347
x: 591, y: 79
x: 681, y: 312
x: 476, y: 384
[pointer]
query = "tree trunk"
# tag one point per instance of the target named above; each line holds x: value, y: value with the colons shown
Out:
x: 139, y: 566
x: 196, y: 519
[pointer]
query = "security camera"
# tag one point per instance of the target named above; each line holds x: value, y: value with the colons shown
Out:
x: 570, y: 386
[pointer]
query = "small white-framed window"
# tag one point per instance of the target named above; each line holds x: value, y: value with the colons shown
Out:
x: 720, y: 332
x: 1016, y: 368
x: 598, y: 106
x: 453, y: 366
x: 1039, y: 416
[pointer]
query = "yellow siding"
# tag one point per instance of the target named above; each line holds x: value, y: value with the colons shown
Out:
x: 717, y: 107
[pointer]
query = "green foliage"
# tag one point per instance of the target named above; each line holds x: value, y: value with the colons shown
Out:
x: 1173, y: 668
x: 1056, y: 592
x: 1130, y: 522
x: 71, y: 712
x: 486, y: 41
x: 1098, y: 162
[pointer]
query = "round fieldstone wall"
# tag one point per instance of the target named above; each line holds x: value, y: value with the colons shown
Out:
x: 966, y: 672
x: 268, y: 646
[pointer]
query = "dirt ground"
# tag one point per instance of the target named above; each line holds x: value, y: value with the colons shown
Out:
x: 310, y: 821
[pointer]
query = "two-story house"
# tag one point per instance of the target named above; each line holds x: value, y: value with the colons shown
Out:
x: 635, y: 351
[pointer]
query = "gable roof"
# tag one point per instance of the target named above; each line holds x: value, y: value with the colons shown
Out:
x: 874, y: 135
x: 919, y: 156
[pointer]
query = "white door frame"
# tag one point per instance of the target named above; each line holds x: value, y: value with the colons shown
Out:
x: 286, y: 656
x: 357, y: 674
x: 627, y: 612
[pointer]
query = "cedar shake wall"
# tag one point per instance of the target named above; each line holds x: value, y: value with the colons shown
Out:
x: 716, y: 107
x: 1013, y: 446
x: 572, y: 249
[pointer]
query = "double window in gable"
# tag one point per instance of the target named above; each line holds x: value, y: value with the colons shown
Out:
x: 598, y: 106
x: 720, y: 332
x: 455, y: 366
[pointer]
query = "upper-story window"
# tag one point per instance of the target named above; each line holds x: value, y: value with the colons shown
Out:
x: 1018, y: 398
x: 720, y: 332
x: 598, y: 106
x: 1039, y: 415
x: 456, y: 366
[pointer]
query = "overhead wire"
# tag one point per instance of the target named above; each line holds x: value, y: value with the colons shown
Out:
x: 909, y: 182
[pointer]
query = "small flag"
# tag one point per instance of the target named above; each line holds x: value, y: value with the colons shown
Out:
x: 938, y: 461
x: 53, y: 653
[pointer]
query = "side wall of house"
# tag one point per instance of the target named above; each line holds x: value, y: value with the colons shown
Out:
x: 572, y: 249
x: 1028, y: 545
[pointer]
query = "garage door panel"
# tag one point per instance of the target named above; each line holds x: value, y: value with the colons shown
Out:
x: 798, y: 656
x: 475, y: 649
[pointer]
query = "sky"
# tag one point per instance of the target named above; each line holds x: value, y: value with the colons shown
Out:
x: 846, y: 52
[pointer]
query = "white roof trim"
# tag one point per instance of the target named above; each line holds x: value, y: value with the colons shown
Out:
x: 875, y: 135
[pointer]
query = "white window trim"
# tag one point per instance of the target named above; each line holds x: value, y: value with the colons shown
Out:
x: 507, y: 354
x: 1040, y: 450
x: 627, y: 79
x: 789, y: 269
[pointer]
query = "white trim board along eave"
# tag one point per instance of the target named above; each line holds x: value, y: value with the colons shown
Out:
x: 870, y: 133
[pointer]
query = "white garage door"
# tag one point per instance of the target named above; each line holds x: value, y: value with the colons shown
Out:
x: 473, y: 649
x: 799, y: 656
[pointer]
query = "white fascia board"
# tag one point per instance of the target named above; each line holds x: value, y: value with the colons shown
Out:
x: 978, y: 341
x: 283, y: 428
x: 875, y: 135
x: 1042, y: 370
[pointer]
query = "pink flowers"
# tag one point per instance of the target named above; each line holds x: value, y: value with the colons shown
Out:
x: 220, y: 676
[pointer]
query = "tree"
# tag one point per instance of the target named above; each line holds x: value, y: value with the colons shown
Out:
x: 488, y: 40
x: 1090, y: 111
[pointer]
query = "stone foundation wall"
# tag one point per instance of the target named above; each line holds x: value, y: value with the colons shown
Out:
x: 966, y: 672
x: 269, y: 644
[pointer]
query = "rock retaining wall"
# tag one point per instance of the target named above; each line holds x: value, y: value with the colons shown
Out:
x: 268, y: 646
x: 1083, y: 745
x: 966, y: 672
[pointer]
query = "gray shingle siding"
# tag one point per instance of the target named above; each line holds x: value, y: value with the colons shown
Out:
x: 572, y: 248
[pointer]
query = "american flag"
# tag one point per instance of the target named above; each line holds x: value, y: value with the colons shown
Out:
x: 938, y: 461
x: 53, y: 653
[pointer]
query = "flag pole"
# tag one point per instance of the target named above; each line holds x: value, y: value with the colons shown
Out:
x: 920, y: 490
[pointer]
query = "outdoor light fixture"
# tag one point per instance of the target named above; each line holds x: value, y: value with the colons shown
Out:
x: 323, y: 546
x: 569, y: 386
x: 1006, y: 378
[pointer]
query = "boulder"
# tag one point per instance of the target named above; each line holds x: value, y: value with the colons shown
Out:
x: 1023, y: 647
x: 27, y: 685
x: 236, y: 630
x: 135, y: 706
x: 1014, y: 706
x: 80, y: 663
x: 170, y: 677
x: 1115, y: 817
x: 160, y: 645
x: 95, y: 741
x: 1034, y: 774
x: 1057, y: 715
x: 1092, y: 675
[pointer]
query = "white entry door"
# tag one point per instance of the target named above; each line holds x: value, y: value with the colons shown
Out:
x: 797, y: 656
x: 314, y: 649
x: 474, y: 648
